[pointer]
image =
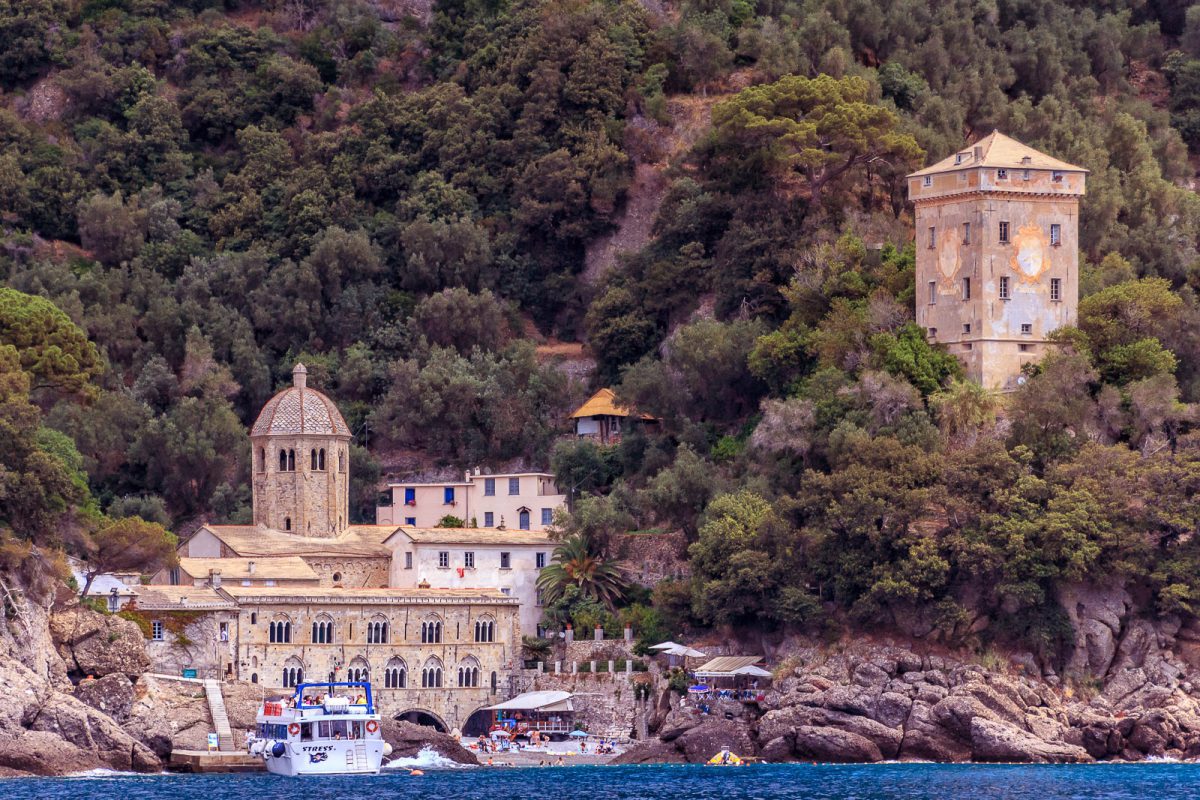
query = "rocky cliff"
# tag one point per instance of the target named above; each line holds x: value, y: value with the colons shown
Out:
x: 1130, y: 690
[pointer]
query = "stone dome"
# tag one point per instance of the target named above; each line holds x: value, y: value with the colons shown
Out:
x: 300, y: 410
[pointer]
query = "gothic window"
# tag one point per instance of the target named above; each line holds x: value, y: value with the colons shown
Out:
x: 280, y: 631
x: 283, y: 460
x: 291, y: 461
x: 377, y: 631
x: 468, y: 672
x: 431, y: 631
x: 312, y: 464
x: 395, y: 674
x: 431, y: 674
x: 253, y: 617
x: 322, y: 631
x: 321, y: 459
x: 359, y: 670
x: 293, y: 673
x: 485, y: 630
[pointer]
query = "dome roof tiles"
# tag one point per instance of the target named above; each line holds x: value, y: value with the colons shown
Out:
x: 300, y: 410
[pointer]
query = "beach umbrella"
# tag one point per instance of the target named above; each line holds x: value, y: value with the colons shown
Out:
x: 683, y: 650
x: 698, y: 689
x: 578, y: 734
x: 663, y: 646
x: 499, y: 734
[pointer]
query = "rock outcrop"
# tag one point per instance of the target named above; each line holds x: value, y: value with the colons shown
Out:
x: 871, y: 701
x: 407, y: 740
x: 45, y: 727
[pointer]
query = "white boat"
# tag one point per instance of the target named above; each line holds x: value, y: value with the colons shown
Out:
x: 324, y: 729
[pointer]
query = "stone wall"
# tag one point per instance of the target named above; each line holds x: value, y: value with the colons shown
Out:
x: 605, y: 703
x: 351, y: 573
x: 315, y: 501
x: 192, y: 640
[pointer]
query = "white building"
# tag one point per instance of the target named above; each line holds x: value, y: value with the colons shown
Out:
x: 460, y: 558
x: 524, y: 501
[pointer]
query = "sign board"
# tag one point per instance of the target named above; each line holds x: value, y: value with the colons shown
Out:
x: 213, y: 742
x: 189, y: 673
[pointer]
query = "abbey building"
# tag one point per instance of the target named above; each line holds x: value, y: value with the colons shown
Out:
x: 997, y: 255
x: 433, y: 617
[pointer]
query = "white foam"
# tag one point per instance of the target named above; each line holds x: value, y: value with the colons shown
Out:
x: 103, y: 773
x: 428, y: 758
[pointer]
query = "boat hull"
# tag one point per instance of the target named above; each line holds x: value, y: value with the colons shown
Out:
x: 328, y: 758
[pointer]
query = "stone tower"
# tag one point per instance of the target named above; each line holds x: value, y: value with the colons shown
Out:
x: 997, y: 230
x: 301, y: 454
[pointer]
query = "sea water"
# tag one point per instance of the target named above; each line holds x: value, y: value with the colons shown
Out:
x: 1147, y: 781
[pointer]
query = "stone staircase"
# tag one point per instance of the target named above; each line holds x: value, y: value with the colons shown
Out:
x: 216, y: 705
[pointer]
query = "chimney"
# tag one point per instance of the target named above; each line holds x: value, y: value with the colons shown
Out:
x: 214, y: 578
x: 250, y: 567
x: 467, y: 476
x: 300, y: 376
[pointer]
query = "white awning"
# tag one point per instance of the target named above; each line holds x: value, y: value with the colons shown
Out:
x: 536, y: 701
x: 757, y: 672
x: 664, y: 646
x: 684, y: 650
x: 731, y: 666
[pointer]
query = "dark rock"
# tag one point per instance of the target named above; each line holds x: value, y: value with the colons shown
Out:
x: 407, y: 740
x: 779, y: 749
x: 704, y: 741
x: 831, y: 744
x: 95, y: 644
x: 992, y: 740
x: 926, y: 739
x: 112, y: 694
x: 652, y: 752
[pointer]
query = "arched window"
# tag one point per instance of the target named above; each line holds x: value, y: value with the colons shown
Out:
x: 431, y: 674
x: 283, y: 460
x: 341, y: 461
x: 485, y: 630
x: 493, y: 683
x: 293, y: 672
x: 287, y: 523
x: 395, y: 674
x: 254, y: 677
x: 321, y: 459
x: 253, y: 617
x: 262, y: 459
x: 377, y: 631
x: 280, y: 631
x: 313, y: 463
x: 431, y: 631
x: 322, y: 630
x: 468, y: 672
x: 359, y: 670
x: 291, y: 461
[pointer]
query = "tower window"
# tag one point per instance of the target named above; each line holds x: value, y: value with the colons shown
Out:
x: 313, y: 461
x: 1056, y: 289
x: 1001, y: 174
x: 1055, y: 235
x: 1026, y: 329
x: 966, y: 327
x: 321, y: 459
x: 283, y: 460
x: 932, y: 236
x: 341, y: 461
x: 932, y: 293
x: 262, y: 460
x: 287, y: 523
x: 927, y: 180
x: 291, y: 461
x: 1004, y: 232
x: 1004, y: 287
x: 966, y: 288
x: 966, y: 233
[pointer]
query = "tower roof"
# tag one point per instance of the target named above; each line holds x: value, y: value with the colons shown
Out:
x: 300, y: 410
x: 998, y: 150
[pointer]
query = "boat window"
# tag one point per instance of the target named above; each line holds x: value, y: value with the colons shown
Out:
x: 306, y: 732
x: 324, y: 731
x: 338, y: 727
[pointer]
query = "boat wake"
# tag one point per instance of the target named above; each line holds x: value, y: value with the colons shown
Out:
x: 427, y: 758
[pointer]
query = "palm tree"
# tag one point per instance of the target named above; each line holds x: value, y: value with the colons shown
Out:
x: 576, y: 563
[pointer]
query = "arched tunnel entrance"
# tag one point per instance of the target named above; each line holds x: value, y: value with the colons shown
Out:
x: 478, y: 723
x: 419, y: 716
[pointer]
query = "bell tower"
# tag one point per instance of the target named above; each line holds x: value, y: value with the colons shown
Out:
x: 997, y: 252
x: 300, y: 446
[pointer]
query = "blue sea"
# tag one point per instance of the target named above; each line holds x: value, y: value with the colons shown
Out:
x: 1152, y: 781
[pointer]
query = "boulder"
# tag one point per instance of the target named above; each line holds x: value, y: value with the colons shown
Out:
x: 651, y: 752
x: 112, y: 694
x: 992, y: 740
x: 94, y: 733
x: 42, y: 753
x: 95, y: 644
x: 408, y: 739
x: 832, y: 744
x: 702, y: 742
x: 1097, y: 614
x: 925, y: 739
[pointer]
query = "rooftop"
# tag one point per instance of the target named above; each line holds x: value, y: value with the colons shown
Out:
x: 998, y: 150
x: 473, y: 536
x: 300, y: 410
x: 181, y: 597
x: 288, y: 568
x: 361, y: 596
x: 361, y: 541
x: 604, y: 404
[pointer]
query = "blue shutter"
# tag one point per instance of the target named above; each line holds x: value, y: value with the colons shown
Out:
x: 547, y: 516
x: 448, y: 495
x: 410, y: 495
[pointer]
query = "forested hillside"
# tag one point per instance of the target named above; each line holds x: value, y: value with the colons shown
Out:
x: 211, y: 191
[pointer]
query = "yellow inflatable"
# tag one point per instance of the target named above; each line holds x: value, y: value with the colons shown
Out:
x: 725, y: 759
